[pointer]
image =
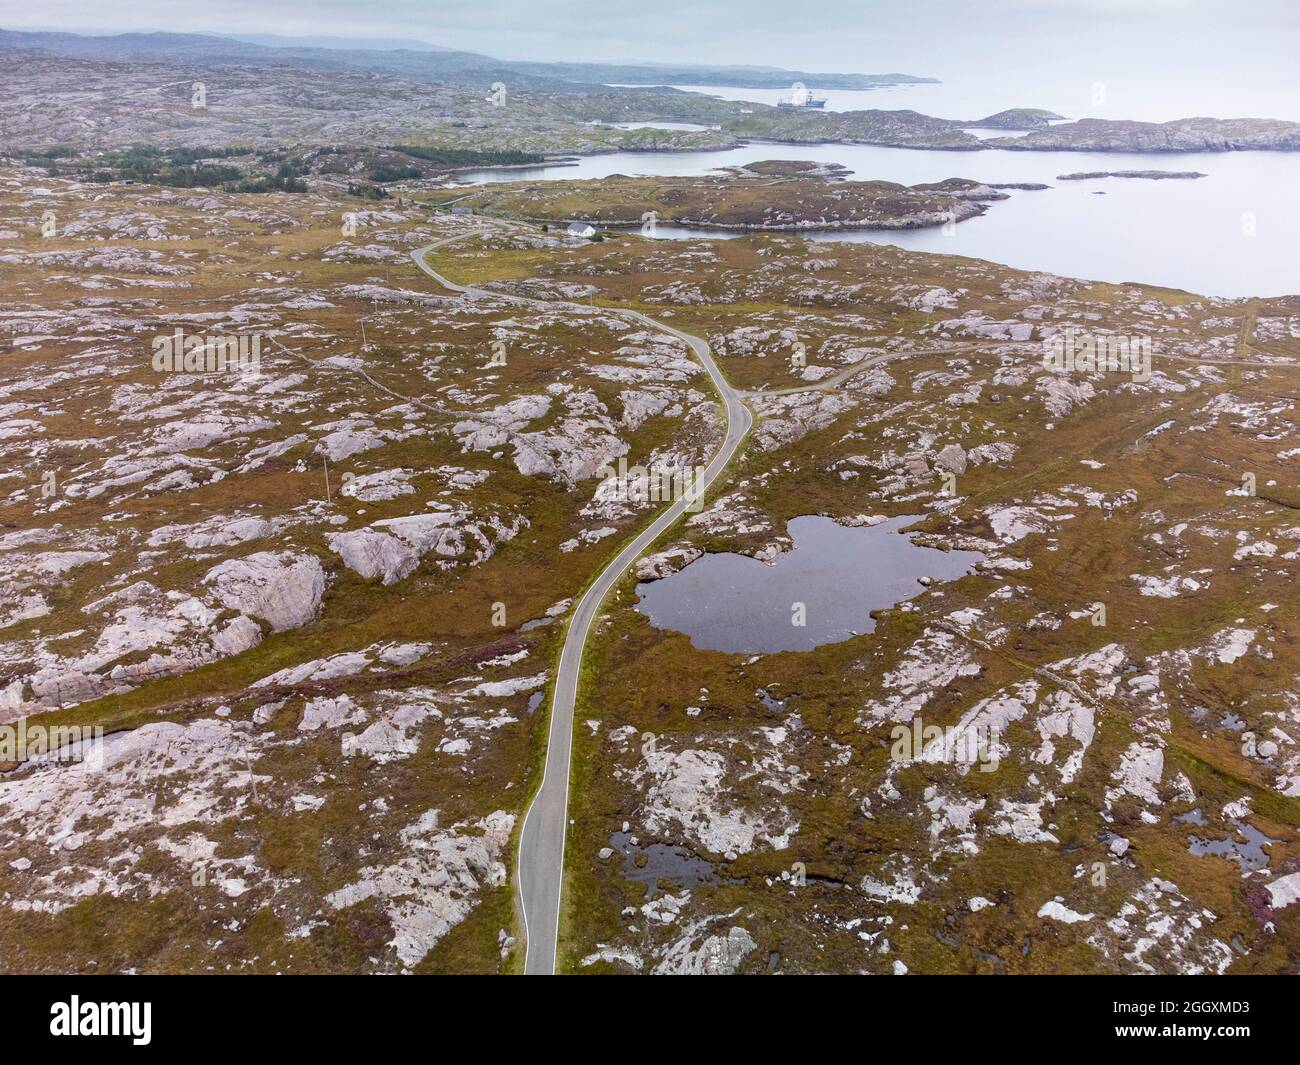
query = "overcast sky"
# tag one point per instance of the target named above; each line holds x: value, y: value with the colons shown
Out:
x: 1225, y: 57
x: 853, y: 35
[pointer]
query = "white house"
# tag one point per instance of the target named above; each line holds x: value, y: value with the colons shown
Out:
x: 581, y: 230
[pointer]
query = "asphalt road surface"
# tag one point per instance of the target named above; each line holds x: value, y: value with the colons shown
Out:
x: 541, y: 841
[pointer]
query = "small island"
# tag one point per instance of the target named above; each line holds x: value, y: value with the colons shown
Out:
x: 1149, y: 175
x: 1019, y: 119
x: 771, y: 195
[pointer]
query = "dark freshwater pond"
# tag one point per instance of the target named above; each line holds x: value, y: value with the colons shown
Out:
x: 660, y: 861
x: 730, y: 602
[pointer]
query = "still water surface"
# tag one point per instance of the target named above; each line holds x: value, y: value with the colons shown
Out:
x: 731, y: 602
x: 1233, y: 233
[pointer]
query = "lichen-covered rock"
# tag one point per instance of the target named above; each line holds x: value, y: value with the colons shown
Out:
x: 436, y: 883
x: 716, y: 955
x: 282, y: 589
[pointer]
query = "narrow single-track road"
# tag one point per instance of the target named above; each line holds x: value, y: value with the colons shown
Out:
x: 541, y: 840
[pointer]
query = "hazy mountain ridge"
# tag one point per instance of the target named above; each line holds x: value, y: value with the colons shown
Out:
x: 257, y: 96
x: 100, y: 103
x: 423, y: 62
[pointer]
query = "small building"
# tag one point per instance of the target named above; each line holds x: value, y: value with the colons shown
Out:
x: 581, y: 230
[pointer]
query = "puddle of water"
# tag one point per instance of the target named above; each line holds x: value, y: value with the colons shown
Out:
x: 1247, y: 851
x: 662, y: 862
x: 730, y: 602
x: 535, y: 700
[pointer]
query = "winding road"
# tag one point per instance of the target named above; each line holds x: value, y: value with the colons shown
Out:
x: 542, y: 838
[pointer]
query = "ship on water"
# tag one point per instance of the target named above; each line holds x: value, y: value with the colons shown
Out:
x: 802, y: 99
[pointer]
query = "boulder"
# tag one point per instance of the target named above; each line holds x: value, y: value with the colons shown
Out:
x: 392, y: 548
x: 282, y: 589
x: 952, y: 458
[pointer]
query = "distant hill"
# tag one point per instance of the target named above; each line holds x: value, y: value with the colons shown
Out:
x: 1020, y: 118
x: 380, y: 44
x: 1180, y: 135
x: 745, y: 77
x: 421, y: 62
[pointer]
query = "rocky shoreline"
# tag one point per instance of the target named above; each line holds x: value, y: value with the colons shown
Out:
x: 1180, y: 135
x: 926, y: 220
x: 767, y: 196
